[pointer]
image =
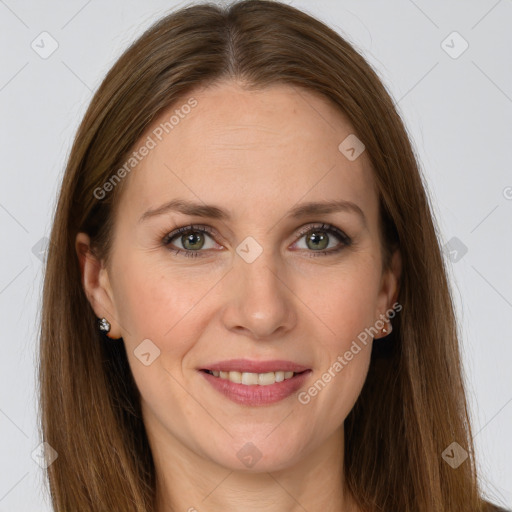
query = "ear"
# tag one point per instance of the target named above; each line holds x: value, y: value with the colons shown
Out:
x: 390, y: 285
x: 96, y: 284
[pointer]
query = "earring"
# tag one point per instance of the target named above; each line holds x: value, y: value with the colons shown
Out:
x: 103, y: 325
x: 386, y: 331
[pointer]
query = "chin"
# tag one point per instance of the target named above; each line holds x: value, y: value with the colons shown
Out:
x: 243, y: 455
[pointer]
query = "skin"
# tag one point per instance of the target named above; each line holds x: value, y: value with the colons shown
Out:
x: 256, y: 154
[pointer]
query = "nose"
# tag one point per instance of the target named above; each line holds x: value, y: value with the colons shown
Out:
x: 260, y: 303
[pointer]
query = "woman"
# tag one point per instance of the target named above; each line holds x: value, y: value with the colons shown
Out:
x: 245, y: 304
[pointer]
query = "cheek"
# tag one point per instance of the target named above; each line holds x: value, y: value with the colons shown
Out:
x: 346, y: 309
x: 163, y: 309
x: 341, y: 376
x: 166, y: 307
x: 346, y: 384
x: 347, y: 303
x: 149, y: 301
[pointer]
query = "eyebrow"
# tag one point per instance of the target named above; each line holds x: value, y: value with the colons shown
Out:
x: 214, y: 212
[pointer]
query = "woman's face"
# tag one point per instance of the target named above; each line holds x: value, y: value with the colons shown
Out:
x: 261, y: 285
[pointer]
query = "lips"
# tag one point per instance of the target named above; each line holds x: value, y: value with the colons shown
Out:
x: 256, y: 383
x: 251, y: 366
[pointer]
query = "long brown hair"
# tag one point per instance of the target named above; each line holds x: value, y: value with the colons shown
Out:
x: 413, y: 404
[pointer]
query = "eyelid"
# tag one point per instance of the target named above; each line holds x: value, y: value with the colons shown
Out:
x: 345, y: 240
x: 323, y: 227
x: 190, y: 227
x: 298, y: 233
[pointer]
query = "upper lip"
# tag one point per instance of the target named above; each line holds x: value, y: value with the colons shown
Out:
x: 252, y: 366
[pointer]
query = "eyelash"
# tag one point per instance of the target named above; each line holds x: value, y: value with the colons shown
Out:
x: 328, y: 228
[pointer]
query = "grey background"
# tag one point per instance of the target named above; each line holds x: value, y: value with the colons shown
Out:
x: 459, y: 115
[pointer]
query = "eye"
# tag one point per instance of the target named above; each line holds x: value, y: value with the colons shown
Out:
x: 192, y: 239
x: 317, y: 238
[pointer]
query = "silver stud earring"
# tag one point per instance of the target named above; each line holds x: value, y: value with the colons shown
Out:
x: 386, y: 331
x: 103, y: 324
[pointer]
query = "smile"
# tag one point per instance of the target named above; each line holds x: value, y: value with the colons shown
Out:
x: 253, y: 379
x: 256, y: 389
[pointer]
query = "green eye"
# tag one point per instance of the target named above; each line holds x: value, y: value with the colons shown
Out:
x: 317, y: 238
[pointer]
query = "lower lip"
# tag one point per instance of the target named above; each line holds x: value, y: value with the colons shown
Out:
x: 256, y: 394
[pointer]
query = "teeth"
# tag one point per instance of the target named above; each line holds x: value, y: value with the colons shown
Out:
x: 253, y: 379
x: 264, y: 379
x: 235, y: 377
x: 250, y: 379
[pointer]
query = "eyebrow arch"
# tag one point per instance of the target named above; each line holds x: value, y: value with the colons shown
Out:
x: 215, y: 212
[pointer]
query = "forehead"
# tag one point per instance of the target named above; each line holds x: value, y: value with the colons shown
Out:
x: 248, y: 150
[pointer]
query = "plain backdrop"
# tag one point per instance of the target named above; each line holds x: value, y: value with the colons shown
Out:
x: 447, y: 65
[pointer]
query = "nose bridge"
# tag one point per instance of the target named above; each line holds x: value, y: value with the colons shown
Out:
x: 260, y: 276
x: 257, y: 269
x: 259, y: 301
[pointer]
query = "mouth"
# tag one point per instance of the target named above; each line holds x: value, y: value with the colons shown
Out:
x: 256, y: 383
x: 254, y: 379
